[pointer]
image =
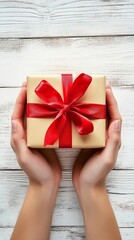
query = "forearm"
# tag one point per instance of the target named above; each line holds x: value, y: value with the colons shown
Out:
x: 34, y: 221
x: 100, y: 222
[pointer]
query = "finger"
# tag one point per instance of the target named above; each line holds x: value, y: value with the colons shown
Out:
x: 18, y: 137
x: 108, y: 85
x: 25, y: 120
x: 113, y: 142
x: 19, y: 105
x: 24, y: 84
x: 112, y: 106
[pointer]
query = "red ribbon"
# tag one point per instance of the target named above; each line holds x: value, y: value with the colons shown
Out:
x: 67, y: 110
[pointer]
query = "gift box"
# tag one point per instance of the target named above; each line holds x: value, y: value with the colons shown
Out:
x: 66, y: 110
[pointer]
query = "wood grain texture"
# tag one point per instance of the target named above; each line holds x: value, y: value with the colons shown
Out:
x: 41, y: 36
x: 69, y: 233
x: 125, y: 97
x: 67, y: 211
x: 37, y: 18
x: 110, y: 56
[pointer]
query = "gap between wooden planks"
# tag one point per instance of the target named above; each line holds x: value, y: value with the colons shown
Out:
x: 22, y: 57
x: 37, y: 18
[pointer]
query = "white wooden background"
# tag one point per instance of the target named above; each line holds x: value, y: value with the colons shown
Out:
x: 67, y: 36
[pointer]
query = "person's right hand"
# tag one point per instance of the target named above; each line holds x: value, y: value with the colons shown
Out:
x: 41, y: 166
x: 89, y: 174
x: 93, y: 165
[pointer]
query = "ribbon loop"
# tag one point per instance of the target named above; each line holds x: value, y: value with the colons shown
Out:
x: 78, y: 88
x: 47, y: 93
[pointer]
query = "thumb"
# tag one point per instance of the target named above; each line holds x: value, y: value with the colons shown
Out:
x: 114, y: 139
x: 17, y: 136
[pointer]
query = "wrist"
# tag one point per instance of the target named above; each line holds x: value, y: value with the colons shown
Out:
x: 46, y: 192
x: 50, y: 184
x: 89, y: 195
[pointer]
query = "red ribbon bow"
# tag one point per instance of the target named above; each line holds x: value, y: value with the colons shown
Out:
x: 67, y: 110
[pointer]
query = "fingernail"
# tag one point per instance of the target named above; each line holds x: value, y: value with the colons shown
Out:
x: 24, y: 84
x: 14, y: 125
x: 117, y: 125
x: 108, y: 84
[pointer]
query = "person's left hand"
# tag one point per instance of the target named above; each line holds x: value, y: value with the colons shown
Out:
x: 41, y: 166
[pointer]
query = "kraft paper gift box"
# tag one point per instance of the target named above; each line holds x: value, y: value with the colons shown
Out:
x: 46, y: 109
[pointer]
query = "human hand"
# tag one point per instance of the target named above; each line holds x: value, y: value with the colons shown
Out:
x: 44, y: 173
x: 93, y: 165
x: 41, y: 166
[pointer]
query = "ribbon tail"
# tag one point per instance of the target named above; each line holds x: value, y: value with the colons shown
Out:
x: 55, y: 129
x: 84, y: 125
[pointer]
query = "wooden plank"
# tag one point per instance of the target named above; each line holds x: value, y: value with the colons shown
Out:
x: 67, y: 211
x: 118, y: 182
x: 125, y: 98
x: 37, y: 18
x: 69, y: 233
x: 110, y: 56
